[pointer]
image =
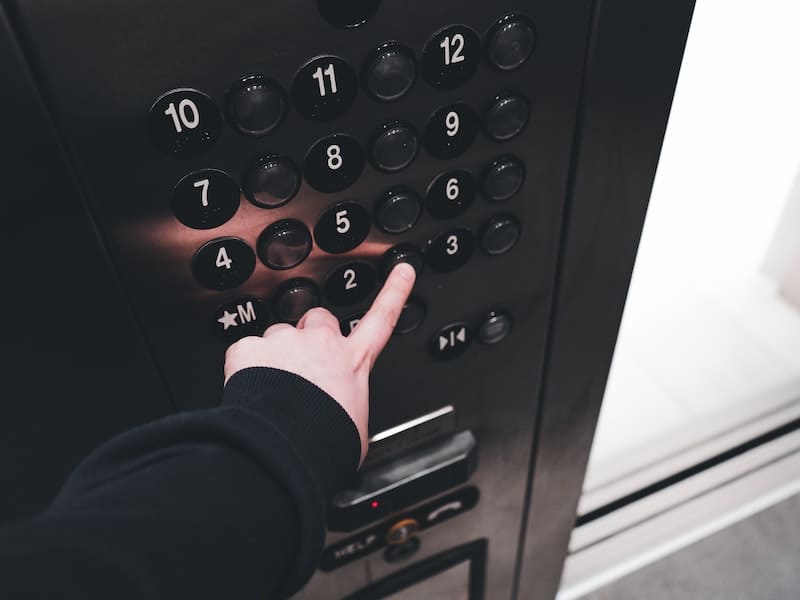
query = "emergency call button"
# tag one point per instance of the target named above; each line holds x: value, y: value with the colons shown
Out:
x: 451, y: 341
x: 234, y: 320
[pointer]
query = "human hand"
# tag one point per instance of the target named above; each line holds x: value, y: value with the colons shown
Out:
x: 316, y: 350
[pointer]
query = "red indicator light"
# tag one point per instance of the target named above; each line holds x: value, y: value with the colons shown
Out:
x: 375, y: 504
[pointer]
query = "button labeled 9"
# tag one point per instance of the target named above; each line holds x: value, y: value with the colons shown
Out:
x: 450, y: 131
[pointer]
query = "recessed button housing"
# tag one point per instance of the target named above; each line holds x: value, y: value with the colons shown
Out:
x: 503, y: 178
x: 284, y: 244
x: 404, y: 253
x: 256, y: 105
x: 184, y: 122
x: 510, y: 42
x: 506, y: 117
x: 271, y: 181
x: 223, y: 263
x: 294, y: 298
x: 205, y: 199
x: 349, y: 14
x: 394, y: 147
x: 495, y: 327
x: 500, y: 234
x: 390, y: 72
x: 398, y: 210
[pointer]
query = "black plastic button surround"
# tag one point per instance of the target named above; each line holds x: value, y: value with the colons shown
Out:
x: 398, y: 210
x: 334, y: 163
x: 451, y: 57
x: 223, y: 263
x: 284, y: 244
x: 234, y: 320
x: 184, y: 122
x: 450, y: 250
x: 271, y: 181
x: 450, y: 194
x: 403, y: 253
x: 294, y: 298
x: 350, y: 284
x: 500, y: 234
x: 324, y: 89
x: 411, y: 317
x: 256, y: 105
x: 510, y: 42
x: 349, y: 323
x: 503, y: 178
x: 506, y: 117
x: 394, y: 147
x: 342, y: 228
x: 451, y: 341
x: 494, y: 327
x: 450, y: 131
x: 390, y: 72
x: 347, y: 15
x: 205, y: 199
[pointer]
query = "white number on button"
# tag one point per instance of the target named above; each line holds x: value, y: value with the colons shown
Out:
x: 452, y: 123
x: 350, y: 279
x: 453, y: 49
x: 186, y: 115
x: 320, y: 75
x: 222, y: 259
x: 335, y: 160
x: 342, y: 222
x: 452, y: 190
x: 203, y: 185
x: 452, y: 245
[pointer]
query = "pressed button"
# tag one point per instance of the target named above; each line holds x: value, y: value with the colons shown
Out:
x: 342, y: 228
x: 223, y: 264
x: 451, y: 57
x: 500, y: 234
x: 503, y: 178
x: 404, y: 253
x: 334, y: 163
x: 451, y: 130
x: 240, y: 318
x: 257, y: 105
x: 205, y: 199
x: 450, y: 194
x: 451, y: 341
x: 398, y: 210
x: 271, y: 181
x: 450, y: 250
x: 394, y: 147
x: 284, y: 244
x: 510, y: 42
x: 506, y: 117
x: 349, y: 323
x: 411, y: 317
x: 350, y: 284
x: 294, y: 298
x: 495, y: 327
x: 184, y: 122
x: 390, y: 72
x: 324, y: 89
x: 347, y: 14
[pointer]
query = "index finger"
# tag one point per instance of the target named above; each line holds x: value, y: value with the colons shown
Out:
x: 376, y: 327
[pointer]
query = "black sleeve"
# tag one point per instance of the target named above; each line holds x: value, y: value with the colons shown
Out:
x: 222, y: 503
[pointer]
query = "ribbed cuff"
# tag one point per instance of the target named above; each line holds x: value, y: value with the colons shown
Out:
x: 319, y: 429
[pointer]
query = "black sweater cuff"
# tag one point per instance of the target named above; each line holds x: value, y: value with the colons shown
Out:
x: 316, y: 426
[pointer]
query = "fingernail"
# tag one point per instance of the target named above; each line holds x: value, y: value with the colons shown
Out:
x: 406, y: 271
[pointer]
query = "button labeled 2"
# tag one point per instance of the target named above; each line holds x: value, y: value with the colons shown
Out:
x: 350, y: 284
x: 223, y: 264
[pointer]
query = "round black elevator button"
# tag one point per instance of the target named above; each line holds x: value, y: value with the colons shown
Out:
x: 495, y: 327
x: 256, y: 105
x: 510, y: 42
x: 503, y: 178
x: 506, y: 117
x: 398, y: 210
x: 450, y: 194
x: 500, y: 234
x: 450, y: 131
x: 342, y: 228
x: 347, y: 13
x: 349, y: 323
x: 294, y: 298
x: 184, y: 122
x: 451, y: 341
x: 284, y: 244
x: 404, y: 253
x: 271, y: 181
x: 411, y: 317
x: 234, y: 320
x: 450, y: 250
x: 223, y: 264
x: 324, y: 89
x: 451, y: 57
x: 350, y: 284
x: 394, y: 147
x: 390, y: 72
x: 334, y: 163
x: 205, y: 199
